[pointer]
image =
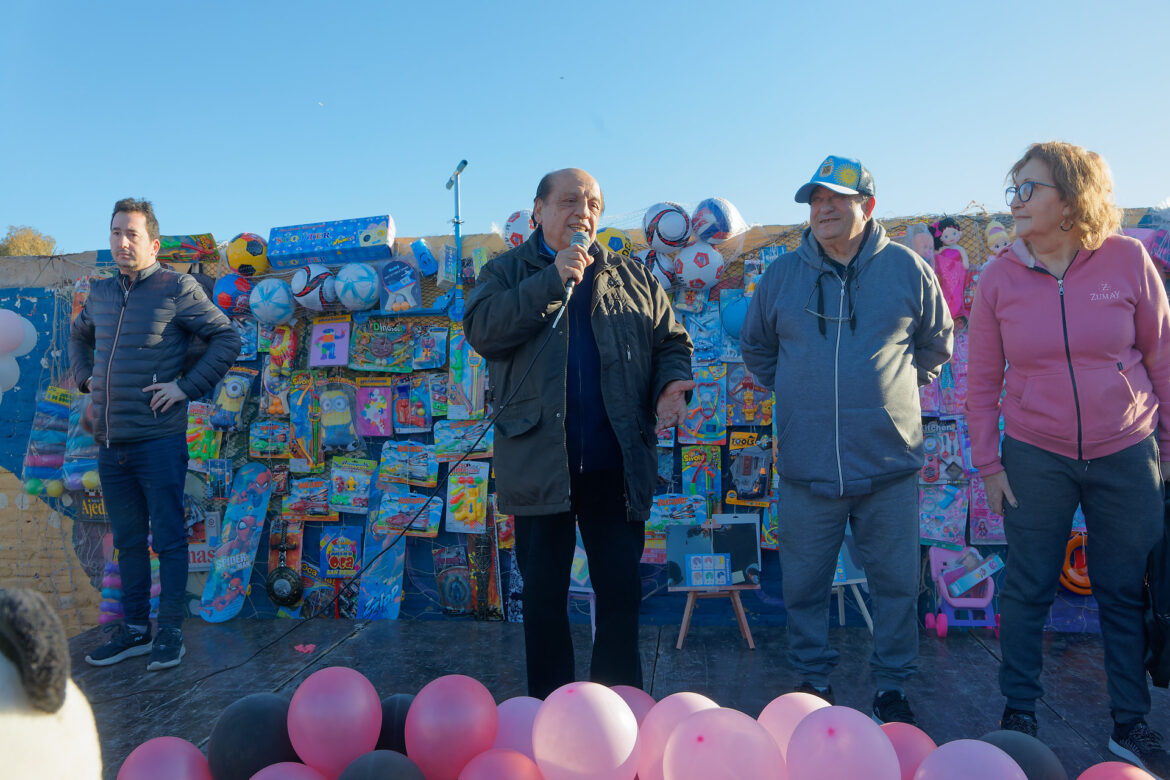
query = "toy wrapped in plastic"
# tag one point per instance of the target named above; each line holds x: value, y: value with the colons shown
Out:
x: 230, y: 395
x: 350, y: 480
x: 374, y: 404
x: 467, y: 496
x: 338, y: 409
x: 274, y: 386
x: 407, y: 463
x: 304, y: 414
x: 412, y: 404
x: 45, y: 455
x: 81, y: 450
x: 466, y: 380
x: 430, y: 346
x: 203, y: 441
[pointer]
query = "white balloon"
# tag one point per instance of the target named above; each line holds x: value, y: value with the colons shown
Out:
x: 9, y: 373
x: 30, y: 338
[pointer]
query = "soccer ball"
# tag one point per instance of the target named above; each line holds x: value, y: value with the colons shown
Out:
x: 616, y: 241
x: 357, y: 286
x: 314, y: 287
x: 661, y: 266
x: 667, y: 227
x: 518, y: 228
x: 231, y: 294
x: 699, y: 266
x: 715, y: 220
x: 247, y: 254
x: 272, y: 302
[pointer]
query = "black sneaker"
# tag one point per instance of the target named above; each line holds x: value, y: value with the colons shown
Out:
x: 1141, y: 746
x: 1019, y: 720
x: 826, y: 693
x: 126, y: 642
x: 168, y: 649
x: 892, y: 707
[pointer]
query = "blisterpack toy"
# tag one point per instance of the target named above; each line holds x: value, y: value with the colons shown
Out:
x: 329, y: 342
x: 412, y: 512
x: 430, y: 347
x: 467, y: 486
x: 308, y: 497
x: 380, y: 344
x: 944, y: 453
x: 407, y: 463
x: 437, y: 380
x: 943, y: 515
x: 749, y: 402
x: 986, y: 526
x: 455, y: 437
x: 466, y: 379
x: 706, y: 420
x: 412, y: 404
x: 374, y: 406
x: 268, y: 439
x: 249, y: 338
x: 749, y: 469
x: 401, y: 287
x: 706, y: 334
x: 675, y: 509
x: 230, y: 395
x: 701, y: 472
x: 275, y: 384
x: 350, y: 480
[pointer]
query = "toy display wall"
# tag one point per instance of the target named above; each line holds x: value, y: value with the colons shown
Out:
x: 60, y: 544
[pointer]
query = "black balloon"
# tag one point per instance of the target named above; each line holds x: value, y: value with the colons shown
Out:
x: 382, y: 765
x: 249, y: 735
x: 394, y: 709
x: 1034, y: 757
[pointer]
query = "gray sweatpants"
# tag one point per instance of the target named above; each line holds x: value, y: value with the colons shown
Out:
x: 1121, y: 495
x: 885, y: 527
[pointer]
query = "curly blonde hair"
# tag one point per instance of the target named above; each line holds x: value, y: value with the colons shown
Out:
x: 1083, y: 180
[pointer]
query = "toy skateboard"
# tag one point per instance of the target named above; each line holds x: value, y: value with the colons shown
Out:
x: 380, y: 590
x: 239, y: 538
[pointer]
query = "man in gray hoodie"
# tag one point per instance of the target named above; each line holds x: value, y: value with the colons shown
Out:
x: 845, y: 330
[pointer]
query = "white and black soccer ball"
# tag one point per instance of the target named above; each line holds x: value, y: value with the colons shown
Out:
x: 314, y: 287
x: 660, y: 265
x: 667, y: 227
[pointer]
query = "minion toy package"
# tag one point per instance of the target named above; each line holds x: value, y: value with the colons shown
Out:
x: 230, y: 395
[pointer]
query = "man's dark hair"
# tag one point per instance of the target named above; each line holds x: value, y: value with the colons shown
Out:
x: 141, y: 206
x: 546, y: 184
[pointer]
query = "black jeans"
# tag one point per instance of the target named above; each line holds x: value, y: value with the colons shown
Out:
x: 544, y: 552
x: 1122, y: 498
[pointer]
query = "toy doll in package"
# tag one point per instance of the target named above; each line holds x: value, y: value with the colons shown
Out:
x: 230, y: 395
x: 338, y: 427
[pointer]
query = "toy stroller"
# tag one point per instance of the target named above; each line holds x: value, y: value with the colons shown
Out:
x: 971, y: 609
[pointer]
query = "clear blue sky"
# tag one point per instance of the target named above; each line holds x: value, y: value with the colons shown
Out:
x: 244, y: 116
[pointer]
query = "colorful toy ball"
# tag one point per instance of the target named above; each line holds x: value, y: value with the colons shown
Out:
x: 231, y: 294
x: 518, y: 228
x: 667, y: 227
x: 357, y: 286
x: 247, y: 254
x: 90, y: 480
x: 715, y: 220
x: 54, y: 488
x: 616, y: 241
x: 272, y: 302
x: 34, y: 486
x: 699, y: 266
x: 661, y: 266
x: 314, y: 287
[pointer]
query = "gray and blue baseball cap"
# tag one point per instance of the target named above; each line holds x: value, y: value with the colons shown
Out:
x: 839, y: 174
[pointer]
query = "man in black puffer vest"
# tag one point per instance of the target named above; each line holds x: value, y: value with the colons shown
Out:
x: 128, y: 347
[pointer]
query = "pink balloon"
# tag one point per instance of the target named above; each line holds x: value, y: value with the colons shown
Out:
x: 585, y: 730
x: 837, y: 743
x: 11, y: 331
x: 783, y: 713
x: 640, y: 702
x: 288, y: 770
x: 451, y: 721
x: 1114, y: 770
x: 658, y: 724
x: 334, y: 717
x: 500, y: 764
x: 722, y: 743
x: 169, y: 757
x: 911, y: 744
x: 969, y: 759
x: 515, y: 730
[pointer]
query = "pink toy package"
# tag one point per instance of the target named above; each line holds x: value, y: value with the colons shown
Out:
x: 986, y: 526
x: 375, y: 410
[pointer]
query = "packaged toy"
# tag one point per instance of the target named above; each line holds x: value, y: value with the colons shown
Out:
x: 230, y: 395
x: 350, y: 480
x: 467, y: 491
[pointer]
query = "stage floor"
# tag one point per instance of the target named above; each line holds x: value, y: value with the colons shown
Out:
x: 955, y: 693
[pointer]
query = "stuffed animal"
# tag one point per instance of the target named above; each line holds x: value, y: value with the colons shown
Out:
x: 46, y: 725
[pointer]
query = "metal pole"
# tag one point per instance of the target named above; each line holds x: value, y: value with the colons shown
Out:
x: 455, y: 311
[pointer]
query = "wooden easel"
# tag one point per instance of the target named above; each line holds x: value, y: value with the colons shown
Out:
x: 728, y: 591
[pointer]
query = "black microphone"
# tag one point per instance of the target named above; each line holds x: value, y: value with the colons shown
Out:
x: 580, y: 238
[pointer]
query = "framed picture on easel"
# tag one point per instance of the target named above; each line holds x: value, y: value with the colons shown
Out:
x: 719, y: 553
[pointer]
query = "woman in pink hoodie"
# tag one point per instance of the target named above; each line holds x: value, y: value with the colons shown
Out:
x: 1071, y: 323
